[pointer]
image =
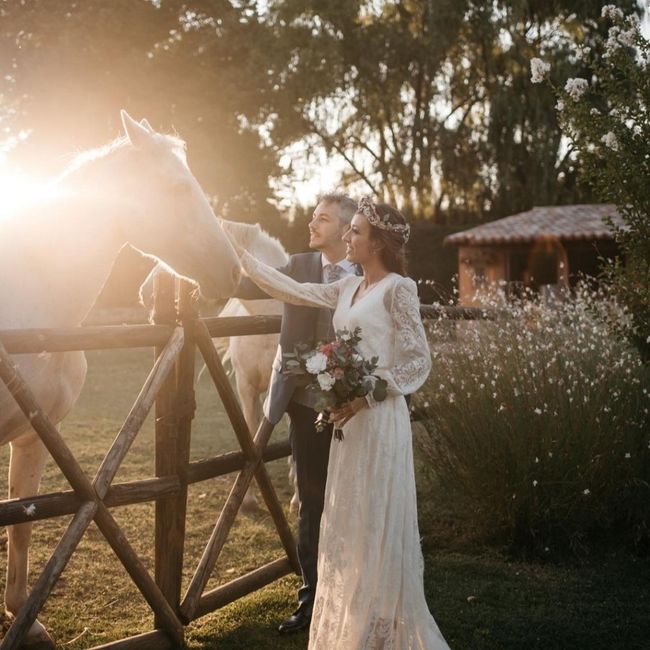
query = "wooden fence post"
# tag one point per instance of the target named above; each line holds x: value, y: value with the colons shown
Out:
x: 165, y: 445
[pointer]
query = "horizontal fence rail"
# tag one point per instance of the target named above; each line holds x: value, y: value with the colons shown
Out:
x: 100, y: 337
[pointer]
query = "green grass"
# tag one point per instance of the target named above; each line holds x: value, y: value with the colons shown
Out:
x: 479, y: 598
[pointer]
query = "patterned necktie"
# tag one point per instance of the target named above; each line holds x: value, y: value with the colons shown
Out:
x: 332, y: 273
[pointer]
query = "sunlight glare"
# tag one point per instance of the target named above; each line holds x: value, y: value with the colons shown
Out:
x: 19, y: 189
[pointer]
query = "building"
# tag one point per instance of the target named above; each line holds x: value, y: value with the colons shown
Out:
x: 542, y: 249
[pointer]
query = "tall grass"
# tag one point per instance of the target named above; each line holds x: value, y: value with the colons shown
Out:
x: 539, y: 420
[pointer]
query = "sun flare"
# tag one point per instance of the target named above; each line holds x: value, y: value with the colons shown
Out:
x: 18, y: 189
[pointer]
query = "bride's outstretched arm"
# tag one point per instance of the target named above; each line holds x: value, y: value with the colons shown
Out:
x: 412, y: 361
x: 284, y: 288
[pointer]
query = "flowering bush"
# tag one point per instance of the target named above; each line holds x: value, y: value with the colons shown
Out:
x: 540, y: 420
x: 607, y: 122
x: 337, y: 373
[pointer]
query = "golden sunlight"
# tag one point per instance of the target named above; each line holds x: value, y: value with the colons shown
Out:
x: 17, y: 189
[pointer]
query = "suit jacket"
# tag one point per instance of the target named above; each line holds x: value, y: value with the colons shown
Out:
x: 298, y: 326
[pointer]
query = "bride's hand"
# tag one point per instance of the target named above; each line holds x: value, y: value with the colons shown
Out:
x: 342, y: 416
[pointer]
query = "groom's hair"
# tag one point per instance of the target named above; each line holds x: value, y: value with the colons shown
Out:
x: 347, y: 206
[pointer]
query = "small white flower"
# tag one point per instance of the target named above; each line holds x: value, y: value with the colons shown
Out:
x: 612, y: 12
x: 560, y: 105
x: 538, y: 411
x: 628, y: 455
x: 594, y: 111
x: 576, y: 87
x: 316, y: 363
x: 538, y: 70
x: 609, y: 140
x: 586, y: 492
x: 628, y: 38
x: 325, y: 380
x: 534, y: 483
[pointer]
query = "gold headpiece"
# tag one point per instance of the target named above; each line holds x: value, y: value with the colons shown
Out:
x: 367, y: 208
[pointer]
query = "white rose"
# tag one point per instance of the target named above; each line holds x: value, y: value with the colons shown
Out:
x: 538, y: 70
x: 325, y: 380
x: 316, y: 363
x: 576, y: 87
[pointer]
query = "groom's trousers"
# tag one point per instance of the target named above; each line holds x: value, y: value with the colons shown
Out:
x: 310, y: 449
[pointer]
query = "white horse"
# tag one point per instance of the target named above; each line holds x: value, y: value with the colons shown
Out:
x: 54, y: 257
x: 252, y: 356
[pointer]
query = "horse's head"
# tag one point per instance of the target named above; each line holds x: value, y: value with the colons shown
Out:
x: 171, y: 218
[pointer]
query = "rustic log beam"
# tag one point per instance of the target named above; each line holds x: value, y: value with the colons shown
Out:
x: 243, y: 585
x: 174, y: 414
x: 201, y: 470
x: 56, y: 504
x: 138, y: 413
x: 100, y: 337
x: 81, y: 484
x: 242, y: 325
x: 231, y: 405
x: 139, y: 574
x: 156, y: 640
x: 224, y: 524
x: 50, y: 574
x: 44, y: 427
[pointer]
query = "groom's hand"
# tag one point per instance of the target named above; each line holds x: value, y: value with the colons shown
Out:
x: 342, y: 416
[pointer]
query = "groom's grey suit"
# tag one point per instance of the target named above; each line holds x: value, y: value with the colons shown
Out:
x: 310, y: 448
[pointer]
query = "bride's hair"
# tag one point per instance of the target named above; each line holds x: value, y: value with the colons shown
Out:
x: 392, y: 252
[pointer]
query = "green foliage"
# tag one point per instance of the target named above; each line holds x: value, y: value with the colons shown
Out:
x: 609, y: 128
x: 68, y: 67
x: 540, y: 421
x: 429, y: 105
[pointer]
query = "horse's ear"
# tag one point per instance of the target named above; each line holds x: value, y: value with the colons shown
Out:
x: 137, y: 134
x: 145, y: 122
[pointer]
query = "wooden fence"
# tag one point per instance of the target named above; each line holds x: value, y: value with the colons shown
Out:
x: 169, y: 388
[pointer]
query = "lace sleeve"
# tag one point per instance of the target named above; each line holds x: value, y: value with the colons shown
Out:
x: 412, y: 361
x: 282, y: 287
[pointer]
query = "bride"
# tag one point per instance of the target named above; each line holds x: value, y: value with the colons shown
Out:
x: 370, y: 593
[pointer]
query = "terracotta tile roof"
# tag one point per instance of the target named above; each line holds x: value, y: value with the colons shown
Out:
x: 564, y: 222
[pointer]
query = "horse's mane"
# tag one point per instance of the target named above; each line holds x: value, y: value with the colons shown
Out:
x: 83, y: 159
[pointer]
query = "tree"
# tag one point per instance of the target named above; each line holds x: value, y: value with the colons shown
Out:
x: 68, y: 68
x: 428, y: 102
x: 607, y: 120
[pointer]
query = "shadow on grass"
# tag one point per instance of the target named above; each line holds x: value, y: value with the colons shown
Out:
x: 487, y: 603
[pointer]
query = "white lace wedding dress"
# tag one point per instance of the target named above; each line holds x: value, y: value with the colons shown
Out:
x: 370, y: 594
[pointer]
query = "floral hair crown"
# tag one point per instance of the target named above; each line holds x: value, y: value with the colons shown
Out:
x: 367, y: 208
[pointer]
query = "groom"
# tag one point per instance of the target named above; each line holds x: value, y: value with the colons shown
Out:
x: 310, y: 449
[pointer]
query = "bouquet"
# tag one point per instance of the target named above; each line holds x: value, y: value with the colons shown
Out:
x: 337, y: 373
